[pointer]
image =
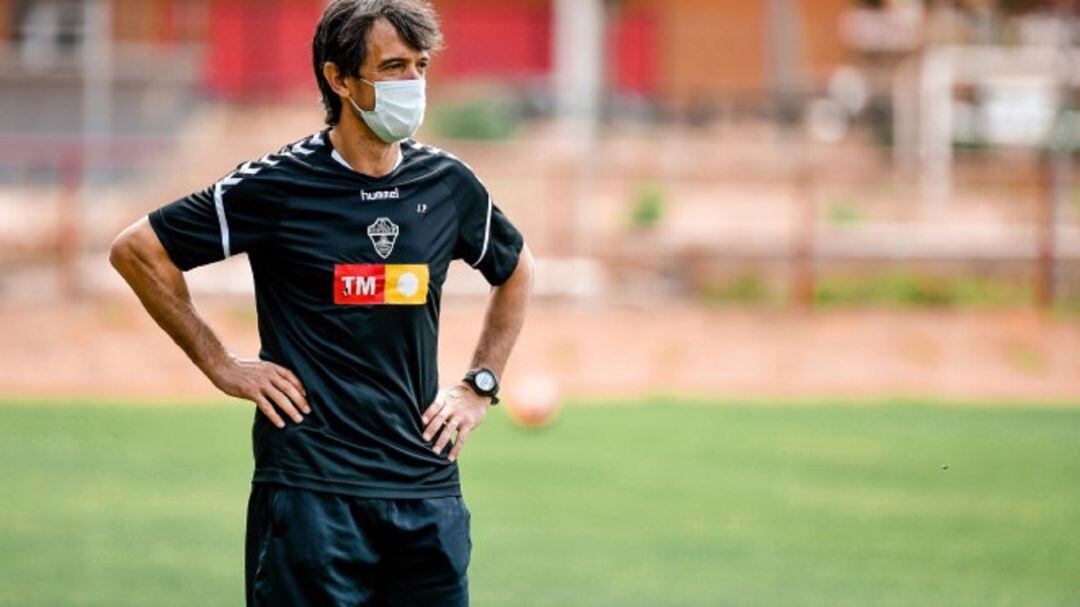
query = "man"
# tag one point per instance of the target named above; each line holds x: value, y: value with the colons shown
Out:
x: 355, y: 497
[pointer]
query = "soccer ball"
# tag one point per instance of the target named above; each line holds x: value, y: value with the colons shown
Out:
x: 533, y: 402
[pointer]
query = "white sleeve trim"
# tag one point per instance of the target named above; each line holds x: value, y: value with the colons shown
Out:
x: 219, y: 205
x: 487, y: 234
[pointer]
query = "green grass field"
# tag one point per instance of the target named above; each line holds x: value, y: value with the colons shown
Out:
x: 649, y: 504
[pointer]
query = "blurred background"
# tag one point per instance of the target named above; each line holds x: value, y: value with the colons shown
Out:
x: 904, y: 169
x: 752, y: 203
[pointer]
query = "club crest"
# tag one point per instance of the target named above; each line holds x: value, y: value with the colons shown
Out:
x: 383, y: 234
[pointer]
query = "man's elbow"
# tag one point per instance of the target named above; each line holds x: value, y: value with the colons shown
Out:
x: 122, y: 251
x: 129, y: 246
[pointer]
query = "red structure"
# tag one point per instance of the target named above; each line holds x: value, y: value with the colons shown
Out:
x: 521, y: 48
x: 677, y: 50
x: 259, y: 48
x: 633, y: 50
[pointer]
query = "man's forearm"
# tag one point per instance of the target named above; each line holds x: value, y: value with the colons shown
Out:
x: 140, y: 258
x: 160, y: 286
x: 505, y: 316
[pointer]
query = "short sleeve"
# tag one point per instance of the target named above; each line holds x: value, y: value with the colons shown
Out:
x: 234, y: 215
x: 486, y: 239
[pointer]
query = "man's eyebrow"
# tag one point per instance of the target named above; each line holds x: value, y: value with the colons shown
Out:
x: 390, y: 60
x: 399, y: 58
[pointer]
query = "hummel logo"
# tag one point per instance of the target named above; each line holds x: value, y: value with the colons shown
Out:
x: 393, y: 194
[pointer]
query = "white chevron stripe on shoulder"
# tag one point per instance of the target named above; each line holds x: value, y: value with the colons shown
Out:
x: 316, y: 139
x: 221, y: 187
x: 416, y: 145
x: 300, y: 149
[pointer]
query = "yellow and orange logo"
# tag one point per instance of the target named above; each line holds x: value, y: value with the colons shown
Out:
x: 381, y: 284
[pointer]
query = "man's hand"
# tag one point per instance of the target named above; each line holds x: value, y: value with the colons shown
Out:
x: 457, y: 409
x: 265, y: 384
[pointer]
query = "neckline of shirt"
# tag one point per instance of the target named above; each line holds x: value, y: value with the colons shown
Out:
x: 341, y: 160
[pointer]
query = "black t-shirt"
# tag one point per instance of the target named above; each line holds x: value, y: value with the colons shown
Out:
x: 348, y: 275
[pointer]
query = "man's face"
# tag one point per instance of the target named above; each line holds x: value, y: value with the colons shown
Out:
x: 389, y: 57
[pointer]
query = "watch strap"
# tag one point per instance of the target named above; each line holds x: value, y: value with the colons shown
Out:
x: 470, y: 379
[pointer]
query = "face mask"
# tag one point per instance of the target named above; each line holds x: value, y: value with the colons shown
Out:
x: 399, y: 108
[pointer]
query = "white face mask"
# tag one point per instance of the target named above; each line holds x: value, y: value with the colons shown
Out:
x: 399, y: 108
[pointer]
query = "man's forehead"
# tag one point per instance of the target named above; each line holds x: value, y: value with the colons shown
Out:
x: 384, y: 41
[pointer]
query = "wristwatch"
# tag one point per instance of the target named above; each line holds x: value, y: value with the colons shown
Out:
x: 484, y: 382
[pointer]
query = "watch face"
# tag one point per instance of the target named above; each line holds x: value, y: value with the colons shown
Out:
x: 485, y: 381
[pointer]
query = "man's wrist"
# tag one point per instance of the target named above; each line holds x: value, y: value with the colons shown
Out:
x: 217, y: 366
x: 483, y: 382
x: 464, y: 384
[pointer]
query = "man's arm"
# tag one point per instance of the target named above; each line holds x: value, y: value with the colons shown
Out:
x: 138, y: 255
x: 459, y: 408
x: 504, y: 317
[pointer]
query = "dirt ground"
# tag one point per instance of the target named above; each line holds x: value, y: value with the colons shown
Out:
x: 109, y: 348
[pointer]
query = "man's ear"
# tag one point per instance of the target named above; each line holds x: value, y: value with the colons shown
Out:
x: 333, y: 77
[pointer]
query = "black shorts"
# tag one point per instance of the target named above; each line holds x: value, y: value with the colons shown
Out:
x: 309, y: 548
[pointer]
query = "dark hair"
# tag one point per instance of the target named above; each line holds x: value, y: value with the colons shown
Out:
x: 341, y: 37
